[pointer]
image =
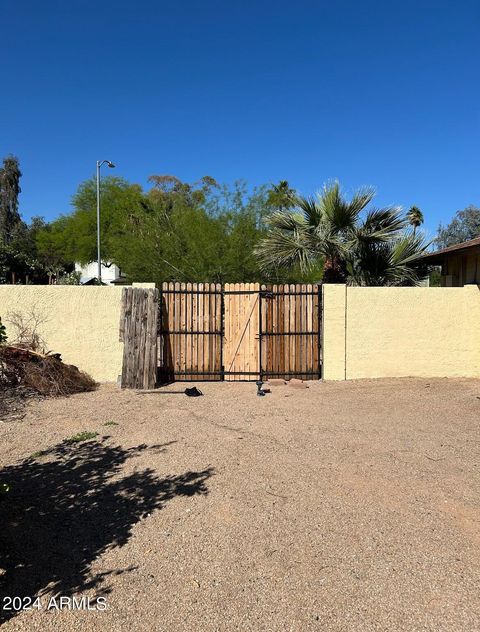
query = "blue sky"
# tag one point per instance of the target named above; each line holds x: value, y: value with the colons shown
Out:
x: 380, y: 93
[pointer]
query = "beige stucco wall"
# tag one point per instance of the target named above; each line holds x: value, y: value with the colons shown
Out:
x: 397, y: 332
x: 367, y: 332
x: 81, y: 323
x: 334, y: 333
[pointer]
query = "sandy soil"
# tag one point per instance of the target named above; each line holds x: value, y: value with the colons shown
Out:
x: 346, y: 507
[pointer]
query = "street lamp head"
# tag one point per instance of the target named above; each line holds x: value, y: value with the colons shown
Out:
x: 100, y: 163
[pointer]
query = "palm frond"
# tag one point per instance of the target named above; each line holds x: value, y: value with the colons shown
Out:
x: 334, y: 209
x: 282, y: 249
x: 409, y: 248
x: 380, y: 225
x: 286, y: 220
x: 338, y: 212
x: 392, y: 262
x: 362, y: 198
x: 310, y: 208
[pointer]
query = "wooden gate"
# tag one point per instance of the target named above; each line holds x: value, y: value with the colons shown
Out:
x: 241, y: 331
x: 290, y: 332
x: 241, y: 340
x: 190, y: 331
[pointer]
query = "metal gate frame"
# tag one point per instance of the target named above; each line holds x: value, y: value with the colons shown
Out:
x: 265, y: 295
x: 186, y: 376
x: 250, y: 376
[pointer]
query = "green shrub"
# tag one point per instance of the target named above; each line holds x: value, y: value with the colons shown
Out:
x: 81, y: 436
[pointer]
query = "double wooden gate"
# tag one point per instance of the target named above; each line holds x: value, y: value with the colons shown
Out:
x: 241, y: 331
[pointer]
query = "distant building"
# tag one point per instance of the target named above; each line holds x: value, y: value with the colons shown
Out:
x: 111, y: 274
x: 460, y: 263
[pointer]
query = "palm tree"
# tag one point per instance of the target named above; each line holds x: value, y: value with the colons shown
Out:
x: 281, y: 196
x: 415, y: 218
x: 370, y: 250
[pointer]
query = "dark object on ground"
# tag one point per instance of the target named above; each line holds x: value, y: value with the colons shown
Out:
x: 259, y: 388
x: 44, y: 374
x: 193, y: 392
x: 160, y: 392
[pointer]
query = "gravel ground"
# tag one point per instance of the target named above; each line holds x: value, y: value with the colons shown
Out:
x: 345, y: 507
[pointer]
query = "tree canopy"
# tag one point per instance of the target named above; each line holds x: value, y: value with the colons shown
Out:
x: 173, y: 231
x: 10, y: 175
x: 210, y: 232
x: 19, y: 259
x: 464, y: 226
x: 415, y: 217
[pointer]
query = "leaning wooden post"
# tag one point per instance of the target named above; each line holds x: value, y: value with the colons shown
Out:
x: 138, y: 330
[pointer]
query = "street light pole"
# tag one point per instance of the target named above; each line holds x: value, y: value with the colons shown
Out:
x: 99, y: 259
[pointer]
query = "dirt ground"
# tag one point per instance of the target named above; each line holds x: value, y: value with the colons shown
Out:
x: 345, y: 507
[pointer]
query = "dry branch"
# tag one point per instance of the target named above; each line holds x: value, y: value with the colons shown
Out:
x: 46, y: 374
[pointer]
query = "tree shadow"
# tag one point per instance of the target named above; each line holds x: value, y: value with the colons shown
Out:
x: 69, y: 505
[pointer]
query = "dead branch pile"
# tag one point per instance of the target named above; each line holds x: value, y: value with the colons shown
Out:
x: 44, y: 374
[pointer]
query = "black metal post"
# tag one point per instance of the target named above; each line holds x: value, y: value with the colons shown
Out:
x: 319, y: 327
x: 260, y: 335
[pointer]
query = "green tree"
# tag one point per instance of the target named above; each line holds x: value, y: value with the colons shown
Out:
x: 10, y: 175
x: 415, y: 218
x: 122, y: 208
x: 363, y: 250
x: 175, y: 231
x: 435, y: 277
x: 464, y: 226
x: 20, y: 261
x: 54, y: 247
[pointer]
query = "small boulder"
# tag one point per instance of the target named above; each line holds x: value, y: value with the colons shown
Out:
x: 295, y: 383
x: 276, y: 382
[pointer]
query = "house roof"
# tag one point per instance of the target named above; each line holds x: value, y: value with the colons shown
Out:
x: 465, y: 246
x: 120, y: 280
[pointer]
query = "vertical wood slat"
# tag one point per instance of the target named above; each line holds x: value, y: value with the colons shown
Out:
x: 187, y: 326
x: 207, y: 326
x: 303, y: 327
x: 309, y: 328
x: 139, y: 332
x: 285, y: 328
x: 218, y: 327
x: 291, y: 327
x: 226, y: 327
x: 201, y: 327
x: 280, y: 327
x: 176, y: 325
x: 211, y: 327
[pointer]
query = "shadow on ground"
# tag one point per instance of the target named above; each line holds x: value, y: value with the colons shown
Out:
x: 71, y: 504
